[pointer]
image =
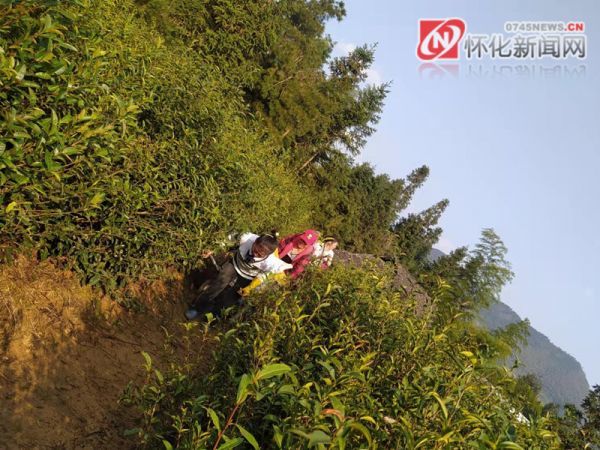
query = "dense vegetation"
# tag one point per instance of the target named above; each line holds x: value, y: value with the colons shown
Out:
x: 345, y: 362
x: 135, y: 134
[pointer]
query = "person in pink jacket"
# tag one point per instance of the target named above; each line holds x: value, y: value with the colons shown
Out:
x: 297, y: 250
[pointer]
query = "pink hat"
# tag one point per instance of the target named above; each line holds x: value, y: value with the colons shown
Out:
x: 309, y: 237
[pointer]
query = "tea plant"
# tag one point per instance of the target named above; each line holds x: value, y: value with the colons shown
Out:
x: 120, y: 153
x: 343, y: 362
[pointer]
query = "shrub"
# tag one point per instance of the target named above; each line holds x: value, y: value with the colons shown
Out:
x: 341, y: 362
x: 123, y: 150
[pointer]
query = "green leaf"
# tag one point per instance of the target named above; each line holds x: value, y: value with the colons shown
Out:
x: 214, y: 418
x: 49, y: 161
x: 299, y: 433
x: 167, y: 445
x: 97, y: 199
x: 370, y: 419
x: 441, y: 403
x: 30, y: 84
x: 422, y: 442
x: 509, y: 446
x: 446, y: 438
x: 21, y: 72
x: 286, y: 389
x: 10, y: 207
x: 318, y: 437
x: 242, y: 392
x: 70, y: 151
x: 98, y: 52
x: 54, y: 126
x: 68, y: 46
x: 278, y: 436
x: 231, y: 444
x: 19, y: 178
x: 470, y: 355
x: 272, y: 370
x: 362, y: 429
x: 21, y: 135
x: 248, y: 436
x: 43, y: 75
x: 148, y: 360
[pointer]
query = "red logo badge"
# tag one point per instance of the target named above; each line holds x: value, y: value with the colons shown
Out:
x: 439, y: 38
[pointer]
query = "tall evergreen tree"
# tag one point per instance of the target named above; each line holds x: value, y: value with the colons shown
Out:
x: 591, y: 408
x: 356, y: 205
x: 416, y: 234
x: 487, y: 269
x: 414, y: 181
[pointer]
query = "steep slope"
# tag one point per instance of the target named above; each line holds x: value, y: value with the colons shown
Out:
x: 67, y: 355
x: 563, y: 379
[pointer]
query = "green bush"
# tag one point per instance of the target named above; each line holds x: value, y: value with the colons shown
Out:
x: 340, y: 362
x: 123, y: 151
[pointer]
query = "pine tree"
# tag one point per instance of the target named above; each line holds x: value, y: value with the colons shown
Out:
x: 414, y: 181
x: 416, y: 234
x: 591, y: 408
x: 356, y: 205
x: 487, y: 269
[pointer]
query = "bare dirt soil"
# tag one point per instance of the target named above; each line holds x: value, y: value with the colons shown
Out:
x: 67, y: 354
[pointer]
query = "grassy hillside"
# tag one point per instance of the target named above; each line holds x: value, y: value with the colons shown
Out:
x: 117, y: 142
x: 136, y: 133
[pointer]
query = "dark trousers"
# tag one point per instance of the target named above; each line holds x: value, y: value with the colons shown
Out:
x: 221, y: 292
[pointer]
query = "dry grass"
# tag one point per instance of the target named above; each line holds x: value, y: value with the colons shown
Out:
x: 35, y: 296
x: 67, y: 353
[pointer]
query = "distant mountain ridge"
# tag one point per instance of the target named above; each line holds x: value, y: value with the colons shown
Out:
x: 562, y: 377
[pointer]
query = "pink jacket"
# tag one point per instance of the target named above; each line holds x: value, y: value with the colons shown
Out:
x: 299, y: 263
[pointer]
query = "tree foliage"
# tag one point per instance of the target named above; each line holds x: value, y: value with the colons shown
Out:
x: 134, y: 134
x: 417, y: 233
x: 350, y: 365
x: 580, y: 427
x: 358, y: 205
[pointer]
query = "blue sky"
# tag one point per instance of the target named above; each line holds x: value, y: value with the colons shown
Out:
x: 520, y: 154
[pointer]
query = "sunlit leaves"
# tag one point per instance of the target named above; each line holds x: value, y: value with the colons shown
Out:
x: 348, y: 376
